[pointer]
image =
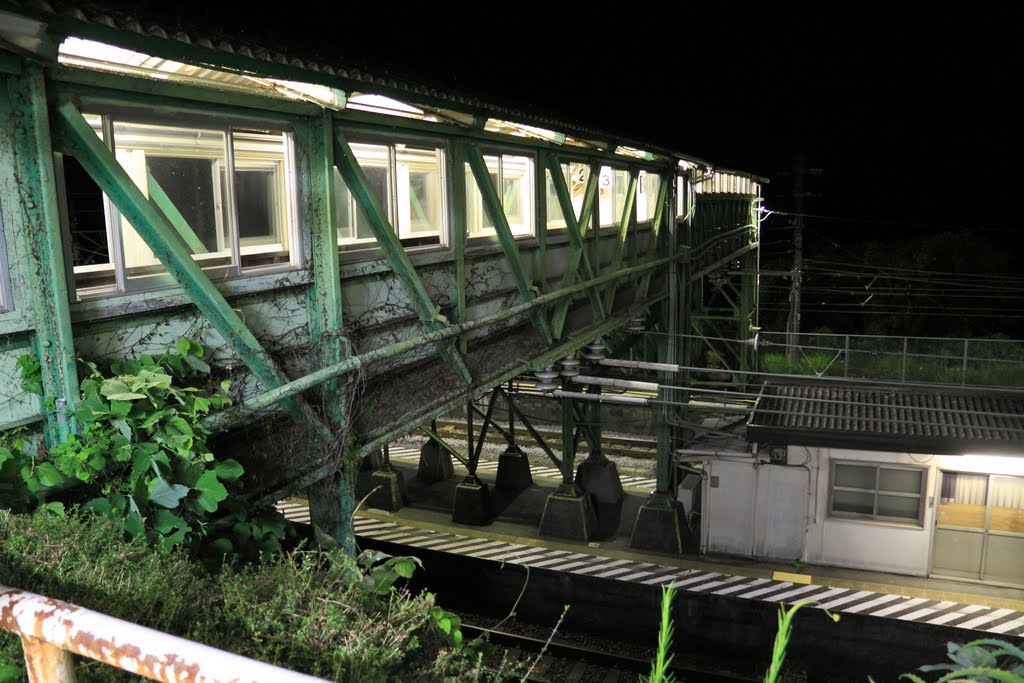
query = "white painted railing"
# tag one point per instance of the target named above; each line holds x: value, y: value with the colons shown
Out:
x: 51, y: 630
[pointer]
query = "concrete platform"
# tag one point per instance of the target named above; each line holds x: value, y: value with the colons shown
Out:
x: 976, y: 609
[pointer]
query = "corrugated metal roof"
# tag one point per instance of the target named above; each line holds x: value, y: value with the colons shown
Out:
x: 889, y: 418
x: 97, y: 14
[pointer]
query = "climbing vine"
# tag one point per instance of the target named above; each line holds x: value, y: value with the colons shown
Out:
x: 142, y: 456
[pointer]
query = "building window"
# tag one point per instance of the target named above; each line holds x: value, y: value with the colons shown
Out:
x: 513, y: 177
x: 611, y: 190
x: 227, y: 192
x: 681, y: 196
x: 408, y: 181
x: 576, y: 176
x: 881, y: 492
x: 647, y: 187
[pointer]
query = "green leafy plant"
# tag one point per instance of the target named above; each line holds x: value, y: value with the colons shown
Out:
x: 142, y: 456
x: 782, y: 637
x: 663, y: 658
x: 981, y: 661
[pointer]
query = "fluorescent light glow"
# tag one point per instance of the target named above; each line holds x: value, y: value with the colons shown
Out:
x: 379, y: 104
x: 1003, y: 464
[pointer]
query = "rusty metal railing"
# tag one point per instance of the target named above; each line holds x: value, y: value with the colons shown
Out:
x: 51, y: 630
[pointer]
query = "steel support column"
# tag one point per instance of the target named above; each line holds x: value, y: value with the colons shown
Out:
x: 332, y: 499
x: 45, y: 269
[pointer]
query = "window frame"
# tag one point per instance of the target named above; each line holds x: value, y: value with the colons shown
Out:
x: 566, y: 164
x: 642, y: 175
x: 874, y: 516
x: 599, y: 216
x: 534, y: 214
x: 370, y: 246
x: 290, y: 230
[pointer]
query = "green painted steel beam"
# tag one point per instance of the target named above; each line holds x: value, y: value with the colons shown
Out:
x: 488, y: 421
x: 577, y: 254
x: 508, y: 436
x: 625, y: 220
x: 88, y: 87
x: 492, y: 204
x: 387, y: 239
x: 568, y: 445
x: 78, y: 139
x: 331, y: 499
x: 514, y: 410
x: 238, y: 412
x: 45, y: 270
x: 455, y: 399
x: 173, y: 216
x: 659, y: 219
x: 457, y: 216
x: 445, y: 445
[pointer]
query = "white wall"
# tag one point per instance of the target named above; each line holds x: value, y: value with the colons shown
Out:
x: 864, y: 544
x: 757, y: 509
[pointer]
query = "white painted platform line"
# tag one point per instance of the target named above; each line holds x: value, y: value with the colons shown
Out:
x: 463, y: 547
x: 984, y: 619
x: 901, y: 606
x: 741, y: 587
x: 484, y: 549
x: 660, y: 579
x: 600, y: 564
x: 832, y: 604
x: 880, y: 600
x: 1007, y: 626
x: 918, y: 615
x: 792, y: 595
x: 767, y: 589
x: 958, y: 613
x: 688, y: 580
x: 725, y: 580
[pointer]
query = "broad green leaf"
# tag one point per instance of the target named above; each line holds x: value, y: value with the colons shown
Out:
x: 167, y: 495
x: 5, y: 455
x: 165, y: 521
x: 91, y: 409
x: 182, y: 346
x: 196, y: 349
x: 116, y: 390
x: 133, y: 519
x: 56, y: 507
x: 228, y: 470
x: 197, y: 364
x: 211, y: 491
x: 49, y: 475
x: 100, y: 506
x: 404, y: 567
x: 122, y: 426
x: 120, y: 408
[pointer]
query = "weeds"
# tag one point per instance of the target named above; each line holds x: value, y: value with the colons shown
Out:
x: 663, y: 659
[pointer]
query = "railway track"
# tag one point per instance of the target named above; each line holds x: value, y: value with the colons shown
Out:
x: 613, y: 444
x: 574, y: 658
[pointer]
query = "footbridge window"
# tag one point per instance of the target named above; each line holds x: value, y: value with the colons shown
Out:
x: 647, y: 188
x: 513, y: 178
x: 878, y: 492
x: 408, y: 181
x: 576, y: 176
x: 613, y: 184
x: 228, y: 192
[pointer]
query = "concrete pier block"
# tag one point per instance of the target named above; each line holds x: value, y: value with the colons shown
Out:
x: 390, y: 491
x: 660, y: 526
x: 472, y: 503
x: 513, y: 470
x: 435, y: 463
x: 599, y: 478
x: 374, y: 460
x: 568, y: 515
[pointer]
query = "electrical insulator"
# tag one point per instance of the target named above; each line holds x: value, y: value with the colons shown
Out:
x: 546, y: 380
x: 570, y: 366
x: 595, y: 351
x: 636, y: 322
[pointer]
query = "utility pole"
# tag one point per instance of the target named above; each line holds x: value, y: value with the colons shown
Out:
x: 793, y: 324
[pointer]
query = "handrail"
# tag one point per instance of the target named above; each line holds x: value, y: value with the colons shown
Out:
x: 51, y: 630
